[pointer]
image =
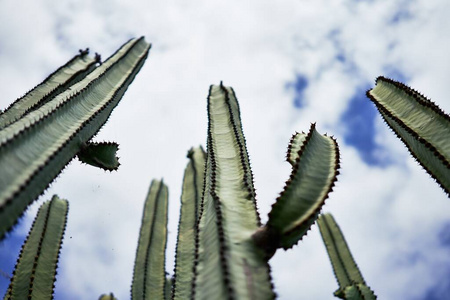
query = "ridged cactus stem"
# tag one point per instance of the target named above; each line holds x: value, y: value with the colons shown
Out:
x: 228, y: 264
x: 70, y: 73
x: 351, y: 283
x: 34, y: 149
x: 35, y: 271
x: 149, y: 279
x: 191, y: 196
x: 315, y: 163
x: 419, y: 123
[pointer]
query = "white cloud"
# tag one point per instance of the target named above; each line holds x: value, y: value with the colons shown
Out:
x: 257, y: 48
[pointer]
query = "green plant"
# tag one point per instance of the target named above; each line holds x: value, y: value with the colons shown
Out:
x: 223, y: 249
x: 44, y: 130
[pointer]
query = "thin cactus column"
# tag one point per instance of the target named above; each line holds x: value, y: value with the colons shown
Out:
x: 149, y: 280
x: 351, y: 283
x: 35, y: 271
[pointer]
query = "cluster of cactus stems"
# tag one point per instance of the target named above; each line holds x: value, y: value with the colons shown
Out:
x: 222, y: 248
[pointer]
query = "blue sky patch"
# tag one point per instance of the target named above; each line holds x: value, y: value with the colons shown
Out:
x: 299, y: 85
x: 359, y: 118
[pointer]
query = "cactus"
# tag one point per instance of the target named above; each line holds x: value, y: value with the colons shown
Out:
x: 35, y: 271
x: 73, y: 71
x: 48, y: 133
x: 149, y: 280
x: 222, y: 250
x: 351, y: 283
x: 419, y: 123
x: 231, y: 247
x: 107, y: 297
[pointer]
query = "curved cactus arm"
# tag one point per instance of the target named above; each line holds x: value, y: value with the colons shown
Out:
x: 312, y: 179
x: 70, y: 73
x: 101, y: 155
x: 351, y: 282
x: 190, y: 206
x: 110, y: 296
x: 419, y: 123
x: 35, y: 271
x: 34, y: 149
x: 228, y: 264
x: 295, y: 144
x: 149, y: 277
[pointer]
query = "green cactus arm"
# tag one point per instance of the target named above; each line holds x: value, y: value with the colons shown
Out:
x: 419, y: 123
x: 70, y: 73
x: 35, y: 271
x: 312, y: 179
x: 101, y: 155
x: 149, y: 273
x: 34, y: 149
x: 228, y: 264
x: 190, y: 205
x: 110, y: 296
x: 350, y: 280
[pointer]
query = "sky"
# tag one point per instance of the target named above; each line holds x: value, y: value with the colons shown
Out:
x: 290, y: 63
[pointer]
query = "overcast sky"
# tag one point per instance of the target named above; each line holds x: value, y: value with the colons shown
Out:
x: 291, y: 63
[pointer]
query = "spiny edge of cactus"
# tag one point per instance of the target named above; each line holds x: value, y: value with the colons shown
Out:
x: 161, y: 186
x: 91, y: 154
x: 418, y: 96
x: 118, y: 94
x: 82, y: 54
x: 268, y: 238
x: 421, y: 100
x: 224, y: 266
x: 223, y: 251
x: 189, y: 155
x: 326, y: 228
x: 314, y: 216
x: 243, y: 152
x: 47, y: 216
x: 428, y: 103
x: 293, y: 147
x: 66, y: 101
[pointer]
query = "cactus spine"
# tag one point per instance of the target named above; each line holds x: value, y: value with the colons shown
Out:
x: 36, y: 147
x: 35, y: 270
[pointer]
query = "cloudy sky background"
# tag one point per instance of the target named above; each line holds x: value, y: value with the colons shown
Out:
x: 291, y: 63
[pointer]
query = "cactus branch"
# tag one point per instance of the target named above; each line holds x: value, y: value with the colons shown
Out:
x: 35, y: 271
x: 70, y: 73
x: 190, y: 206
x: 228, y: 264
x: 34, y: 149
x: 419, y: 123
x: 149, y: 278
x: 101, y: 155
x: 315, y: 160
x: 351, y: 283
